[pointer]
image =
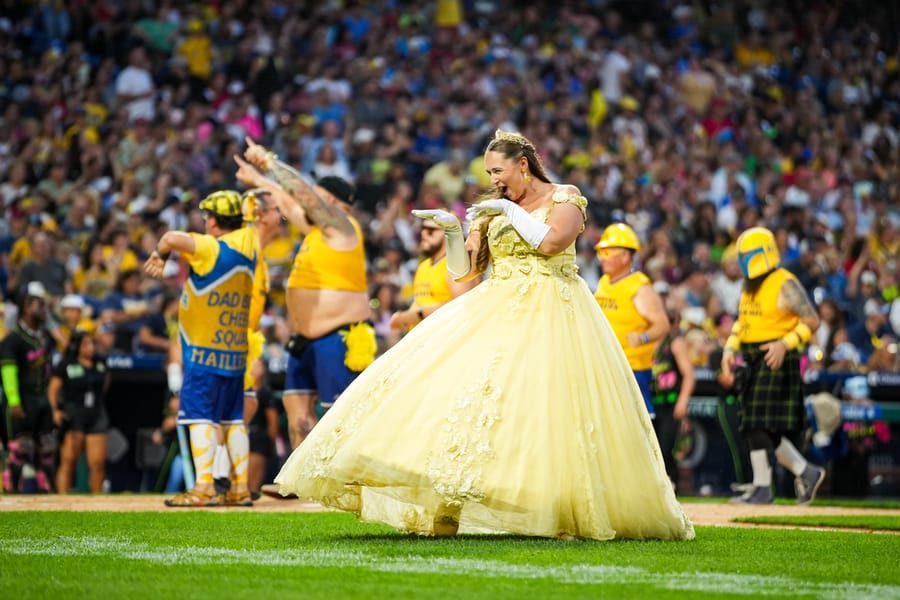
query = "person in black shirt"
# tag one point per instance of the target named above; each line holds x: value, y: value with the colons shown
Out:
x: 77, y: 392
x: 671, y: 388
x: 25, y: 356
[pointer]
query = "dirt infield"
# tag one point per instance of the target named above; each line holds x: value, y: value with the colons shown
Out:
x: 721, y: 515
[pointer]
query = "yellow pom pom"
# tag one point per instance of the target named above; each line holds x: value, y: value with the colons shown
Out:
x: 361, y: 346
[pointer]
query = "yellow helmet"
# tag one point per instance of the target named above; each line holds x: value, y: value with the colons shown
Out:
x: 757, y: 252
x: 225, y: 203
x: 619, y: 235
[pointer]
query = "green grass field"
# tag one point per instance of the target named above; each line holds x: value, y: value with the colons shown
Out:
x: 208, y: 554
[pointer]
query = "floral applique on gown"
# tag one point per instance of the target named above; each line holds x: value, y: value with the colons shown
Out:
x: 511, y: 407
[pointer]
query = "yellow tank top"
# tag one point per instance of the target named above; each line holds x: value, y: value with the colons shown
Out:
x: 318, y: 266
x: 430, y: 285
x: 215, y: 303
x: 761, y: 318
x: 617, y: 301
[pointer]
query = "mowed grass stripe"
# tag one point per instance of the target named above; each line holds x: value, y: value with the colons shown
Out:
x: 125, y: 548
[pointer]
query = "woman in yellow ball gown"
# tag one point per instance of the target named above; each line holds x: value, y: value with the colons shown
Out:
x: 512, y: 408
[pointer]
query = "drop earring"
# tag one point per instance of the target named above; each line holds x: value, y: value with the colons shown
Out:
x: 526, y: 177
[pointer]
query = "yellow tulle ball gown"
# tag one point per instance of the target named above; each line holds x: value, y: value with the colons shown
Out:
x: 510, y: 410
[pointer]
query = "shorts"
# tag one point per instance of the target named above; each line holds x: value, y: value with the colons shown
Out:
x: 260, y: 442
x: 85, y: 420
x: 320, y: 369
x: 644, y: 379
x: 210, y: 398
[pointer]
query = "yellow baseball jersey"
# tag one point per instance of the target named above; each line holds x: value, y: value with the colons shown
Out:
x: 759, y: 315
x: 430, y: 284
x: 617, y: 301
x: 214, y: 313
x: 318, y: 266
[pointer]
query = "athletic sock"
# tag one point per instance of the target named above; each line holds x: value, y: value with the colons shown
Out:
x: 788, y: 455
x: 239, y: 449
x: 203, y: 450
x: 762, y: 472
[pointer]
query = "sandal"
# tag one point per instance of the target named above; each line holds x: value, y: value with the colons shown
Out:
x: 193, y: 498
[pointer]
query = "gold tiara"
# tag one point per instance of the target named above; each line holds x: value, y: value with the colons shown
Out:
x: 515, y: 138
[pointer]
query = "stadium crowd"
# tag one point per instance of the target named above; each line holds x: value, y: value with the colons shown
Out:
x: 690, y: 121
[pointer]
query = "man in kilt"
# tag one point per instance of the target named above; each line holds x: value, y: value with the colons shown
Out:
x: 775, y: 320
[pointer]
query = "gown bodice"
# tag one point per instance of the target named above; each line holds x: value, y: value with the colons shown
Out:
x: 512, y: 256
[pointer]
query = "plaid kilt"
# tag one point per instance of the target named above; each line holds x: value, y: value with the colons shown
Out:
x: 772, y: 400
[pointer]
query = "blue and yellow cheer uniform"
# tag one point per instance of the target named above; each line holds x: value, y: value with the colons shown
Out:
x: 214, y: 316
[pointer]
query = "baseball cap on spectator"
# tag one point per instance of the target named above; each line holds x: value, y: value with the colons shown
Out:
x: 363, y: 135
x: 874, y: 307
x: 662, y: 287
x: 868, y: 278
x: 72, y: 301
x: 338, y: 187
x: 36, y: 289
x: 694, y: 315
x: 77, y: 302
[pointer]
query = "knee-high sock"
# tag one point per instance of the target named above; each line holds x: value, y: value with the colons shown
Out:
x: 788, y: 455
x: 762, y: 471
x: 221, y: 468
x: 239, y: 449
x: 203, y: 450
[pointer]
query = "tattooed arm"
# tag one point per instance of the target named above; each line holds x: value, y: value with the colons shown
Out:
x: 794, y: 298
x: 292, y: 211
x: 318, y: 211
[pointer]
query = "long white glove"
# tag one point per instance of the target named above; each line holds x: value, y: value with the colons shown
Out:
x: 531, y: 230
x: 457, y: 256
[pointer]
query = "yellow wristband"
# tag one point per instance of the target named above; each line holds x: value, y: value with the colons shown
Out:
x: 800, y: 334
x: 791, y: 340
x: 803, y: 332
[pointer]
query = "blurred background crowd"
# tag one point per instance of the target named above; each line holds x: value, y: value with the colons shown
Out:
x: 690, y: 121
